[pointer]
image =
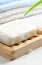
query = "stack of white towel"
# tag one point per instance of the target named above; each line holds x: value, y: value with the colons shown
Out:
x: 14, y: 9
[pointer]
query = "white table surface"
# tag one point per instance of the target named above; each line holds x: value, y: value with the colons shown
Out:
x: 34, y: 57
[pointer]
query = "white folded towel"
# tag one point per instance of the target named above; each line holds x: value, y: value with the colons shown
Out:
x: 18, y: 11
x: 16, y: 31
x: 18, y: 14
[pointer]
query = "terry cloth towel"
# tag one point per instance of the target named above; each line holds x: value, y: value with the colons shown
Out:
x: 5, y: 5
x: 16, y: 31
x: 7, y: 1
x: 19, y: 11
x: 18, y: 14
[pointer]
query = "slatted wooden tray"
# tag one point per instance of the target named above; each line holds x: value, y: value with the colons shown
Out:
x: 17, y: 50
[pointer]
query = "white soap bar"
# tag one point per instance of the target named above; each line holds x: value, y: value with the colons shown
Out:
x: 16, y: 31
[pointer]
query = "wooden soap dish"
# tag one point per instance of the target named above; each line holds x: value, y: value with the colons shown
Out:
x: 17, y: 50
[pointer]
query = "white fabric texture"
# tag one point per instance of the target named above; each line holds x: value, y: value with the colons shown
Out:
x: 5, y: 5
x: 18, y: 11
x: 16, y: 31
x: 18, y: 14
